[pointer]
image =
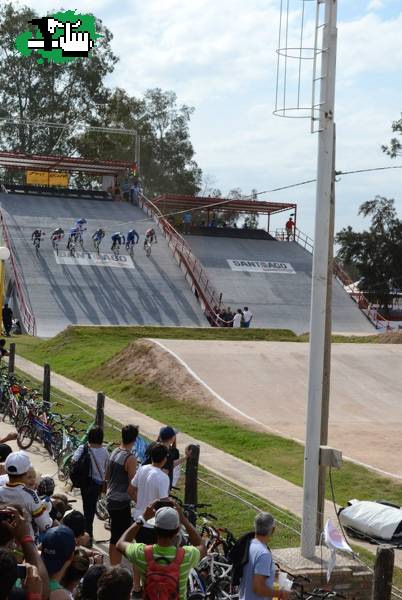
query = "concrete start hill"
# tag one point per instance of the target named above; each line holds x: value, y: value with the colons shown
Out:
x: 274, y: 280
x: 63, y: 291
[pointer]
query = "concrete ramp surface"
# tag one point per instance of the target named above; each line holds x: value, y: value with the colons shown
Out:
x: 152, y: 291
x: 279, y: 298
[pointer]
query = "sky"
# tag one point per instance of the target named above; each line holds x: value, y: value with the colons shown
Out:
x: 219, y: 56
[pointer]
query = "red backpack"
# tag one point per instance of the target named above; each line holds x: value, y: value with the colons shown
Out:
x: 162, y: 581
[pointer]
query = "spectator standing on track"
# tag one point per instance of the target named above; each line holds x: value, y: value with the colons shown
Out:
x: 187, y: 221
x: 120, y: 472
x: 290, y: 227
x: 237, y: 319
x: 257, y: 580
x: 167, y: 524
x: 7, y: 319
x: 247, y: 316
x: 96, y: 482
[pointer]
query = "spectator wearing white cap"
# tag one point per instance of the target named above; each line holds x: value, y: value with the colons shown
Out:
x: 15, y: 492
x: 168, y: 520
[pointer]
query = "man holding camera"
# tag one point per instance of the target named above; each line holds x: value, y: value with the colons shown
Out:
x: 168, y: 521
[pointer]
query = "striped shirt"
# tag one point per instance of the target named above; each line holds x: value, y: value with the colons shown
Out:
x: 135, y: 553
x: 17, y: 493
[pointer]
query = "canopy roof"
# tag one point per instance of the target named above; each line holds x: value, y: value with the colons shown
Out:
x: 18, y: 160
x: 173, y: 202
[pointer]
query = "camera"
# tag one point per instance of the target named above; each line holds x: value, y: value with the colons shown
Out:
x: 21, y: 572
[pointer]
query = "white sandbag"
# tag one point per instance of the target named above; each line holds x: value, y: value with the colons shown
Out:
x: 371, y: 518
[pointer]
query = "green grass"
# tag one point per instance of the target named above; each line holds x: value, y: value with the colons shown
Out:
x: 80, y: 352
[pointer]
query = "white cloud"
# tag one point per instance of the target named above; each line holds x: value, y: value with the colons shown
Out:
x: 375, y: 5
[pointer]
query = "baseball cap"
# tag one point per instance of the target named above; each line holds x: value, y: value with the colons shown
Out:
x: 57, y: 546
x: 167, y: 518
x: 46, y: 486
x: 17, y: 463
x: 76, y: 521
x: 167, y: 432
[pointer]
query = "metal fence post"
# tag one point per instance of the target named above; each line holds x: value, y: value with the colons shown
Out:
x: 383, y: 573
x: 46, y: 385
x: 191, y: 483
x: 11, y: 359
x: 100, y: 410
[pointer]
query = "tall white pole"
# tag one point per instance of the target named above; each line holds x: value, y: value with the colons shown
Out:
x: 320, y: 279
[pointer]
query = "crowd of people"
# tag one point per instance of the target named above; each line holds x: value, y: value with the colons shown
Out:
x: 46, y: 546
x: 226, y: 317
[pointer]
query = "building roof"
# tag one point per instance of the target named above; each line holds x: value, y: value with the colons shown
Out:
x: 19, y: 160
x: 173, y: 202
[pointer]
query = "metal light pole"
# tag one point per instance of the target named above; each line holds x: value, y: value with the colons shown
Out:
x: 319, y: 333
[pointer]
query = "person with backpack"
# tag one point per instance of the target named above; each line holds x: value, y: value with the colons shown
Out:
x: 120, y: 472
x: 257, y: 568
x: 163, y: 566
x: 92, y: 486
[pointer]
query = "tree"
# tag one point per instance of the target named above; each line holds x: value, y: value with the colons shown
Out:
x: 62, y: 93
x: 167, y: 155
x: 395, y: 145
x: 377, y: 252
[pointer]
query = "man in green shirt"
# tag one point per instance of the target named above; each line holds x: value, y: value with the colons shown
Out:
x: 168, y: 520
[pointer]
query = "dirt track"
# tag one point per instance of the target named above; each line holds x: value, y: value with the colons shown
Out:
x: 268, y: 382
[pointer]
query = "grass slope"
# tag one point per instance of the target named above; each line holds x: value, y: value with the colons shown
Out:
x: 79, y: 353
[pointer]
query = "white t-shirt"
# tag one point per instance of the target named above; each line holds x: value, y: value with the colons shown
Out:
x: 17, y: 493
x: 99, y: 465
x: 3, y: 479
x: 152, y: 484
x: 247, y: 315
x: 237, y: 320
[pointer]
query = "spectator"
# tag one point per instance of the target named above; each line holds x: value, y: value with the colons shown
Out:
x: 120, y: 472
x: 96, y: 482
x: 88, y: 589
x: 7, y: 319
x: 149, y: 484
x: 237, y: 319
x: 30, y: 479
x: 115, y: 584
x: 60, y: 505
x: 76, y: 571
x: 8, y: 573
x: 167, y: 437
x: 229, y: 317
x: 290, y: 226
x: 258, y: 575
x: 3, y: 351
x: 14, y: 530
x: 58, y: 547
x: 187, y: 221
x: 75, y: 520
x: 167, y: 525
x: 14, y: 492
x: 247, y: 316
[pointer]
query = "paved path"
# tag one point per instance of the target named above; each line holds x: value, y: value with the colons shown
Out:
x: 268, y: 380
x: 257, y: 481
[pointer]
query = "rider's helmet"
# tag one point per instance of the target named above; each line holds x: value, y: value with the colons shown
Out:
x: 81, y: 221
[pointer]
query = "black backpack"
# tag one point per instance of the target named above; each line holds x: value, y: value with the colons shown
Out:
x: 239, y: 556
x: 80, y: 471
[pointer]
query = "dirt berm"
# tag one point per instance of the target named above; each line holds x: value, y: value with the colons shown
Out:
x: 149, y: 364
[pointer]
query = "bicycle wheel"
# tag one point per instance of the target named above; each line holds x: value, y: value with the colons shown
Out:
x: 63, y: 472
x: 101, y: 508
x: 25, y: 437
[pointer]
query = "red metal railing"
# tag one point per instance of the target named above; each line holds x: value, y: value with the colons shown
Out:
x: 357, y: 295
x: 195, y: 273
x: 27, y: 317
